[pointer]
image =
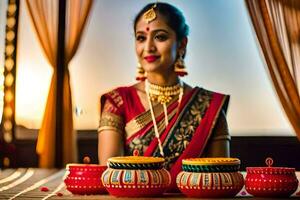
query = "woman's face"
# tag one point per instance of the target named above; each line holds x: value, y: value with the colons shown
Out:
x: 156, y: 45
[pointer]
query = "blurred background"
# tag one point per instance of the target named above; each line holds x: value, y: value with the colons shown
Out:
x: 222, y: 55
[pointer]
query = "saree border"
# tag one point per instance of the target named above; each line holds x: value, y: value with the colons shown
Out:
x: 193, y: 149
x: 187, y: 100
x: 137, y: 124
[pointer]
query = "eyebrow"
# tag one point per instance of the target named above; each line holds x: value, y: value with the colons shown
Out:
x: 155, y: 31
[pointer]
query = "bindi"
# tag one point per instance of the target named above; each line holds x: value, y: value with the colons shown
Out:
x: 147, y: 29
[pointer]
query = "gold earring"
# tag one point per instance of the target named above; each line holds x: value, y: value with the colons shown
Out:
x: 140, y: 73
x: 180, y: 68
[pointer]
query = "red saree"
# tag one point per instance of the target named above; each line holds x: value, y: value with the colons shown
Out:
x: 190, y: 126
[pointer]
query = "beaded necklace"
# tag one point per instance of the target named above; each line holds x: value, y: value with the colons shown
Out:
x: 162, y: 94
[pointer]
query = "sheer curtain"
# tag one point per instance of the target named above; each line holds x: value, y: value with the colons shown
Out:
x: 44, y: 15
x: 277, y: 26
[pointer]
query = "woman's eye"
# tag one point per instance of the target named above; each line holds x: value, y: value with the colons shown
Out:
x: 140, y: 38
x: 161, y: 37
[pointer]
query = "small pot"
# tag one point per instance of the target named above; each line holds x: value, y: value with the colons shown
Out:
x: 85, y: 179
x: 210, y: 177
x: 271, y: 181
x: 136, y: 176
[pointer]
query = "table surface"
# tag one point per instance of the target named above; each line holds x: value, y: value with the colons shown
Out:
x: 32, y: 183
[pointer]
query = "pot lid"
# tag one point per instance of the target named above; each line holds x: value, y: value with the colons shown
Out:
x: 269, y: 169
x: 85, y: 165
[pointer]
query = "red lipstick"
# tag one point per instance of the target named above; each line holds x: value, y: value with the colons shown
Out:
x: 151, y: 58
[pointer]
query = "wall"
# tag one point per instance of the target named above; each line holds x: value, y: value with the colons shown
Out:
x: 252, y: 151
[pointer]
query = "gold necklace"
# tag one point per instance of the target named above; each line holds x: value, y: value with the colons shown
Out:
x: 163, y: 94
x: 169, y: 92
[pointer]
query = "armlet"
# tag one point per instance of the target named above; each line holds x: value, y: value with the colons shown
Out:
x: 110, y: 121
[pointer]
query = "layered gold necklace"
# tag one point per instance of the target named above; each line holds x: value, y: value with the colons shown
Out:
x: 163, y: 95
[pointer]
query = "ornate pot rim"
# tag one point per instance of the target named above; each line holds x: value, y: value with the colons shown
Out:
x: 136, y: 162
x: 211, y: 161
x: 85, y: 167
x: 270, y: 170
x: 72, y: 165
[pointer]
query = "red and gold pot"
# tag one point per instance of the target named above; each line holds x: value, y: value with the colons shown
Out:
x: 85, y: 179
x: 271, y: 181
x: 210, y: 177
x: 136, y: 176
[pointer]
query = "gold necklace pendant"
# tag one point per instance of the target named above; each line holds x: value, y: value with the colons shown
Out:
x: 163, y: 94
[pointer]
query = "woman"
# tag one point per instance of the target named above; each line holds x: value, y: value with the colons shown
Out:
x: 161, y: 115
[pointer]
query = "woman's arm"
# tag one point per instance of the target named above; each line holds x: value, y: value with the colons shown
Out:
x: 110, y: 143
x: 110, y: 133
x: 219, y: 143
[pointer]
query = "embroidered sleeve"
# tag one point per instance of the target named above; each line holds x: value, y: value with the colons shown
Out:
x: 111, y: 113
x: 116, y: 98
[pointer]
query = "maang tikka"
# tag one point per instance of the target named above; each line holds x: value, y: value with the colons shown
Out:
x: 150, y: 14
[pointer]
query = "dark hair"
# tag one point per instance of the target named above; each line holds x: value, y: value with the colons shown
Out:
x: 173, y: 16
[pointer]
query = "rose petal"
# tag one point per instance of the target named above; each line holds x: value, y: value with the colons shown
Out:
x: 44, y: 189
x: 59, y: 194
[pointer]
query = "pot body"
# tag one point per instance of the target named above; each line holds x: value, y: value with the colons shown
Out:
x: 271, y: 181
x: 210, y: 184
x: 85, y: 179
x: 136, y: 182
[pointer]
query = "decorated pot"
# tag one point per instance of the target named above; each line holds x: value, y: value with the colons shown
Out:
x: 136, y: 176
x: 271, y: 181
x: 210, y: 177
x: 85, y: 179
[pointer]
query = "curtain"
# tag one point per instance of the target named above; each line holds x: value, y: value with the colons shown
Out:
x: 277, y: 26
x: 44, y: 16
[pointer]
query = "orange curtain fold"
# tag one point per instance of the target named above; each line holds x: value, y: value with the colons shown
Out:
x: 69, y: 136
x: 276, y: 24
x: 44, y: 16
x: 76, y: 18
x: 77, y: 15
x: 46, y: 137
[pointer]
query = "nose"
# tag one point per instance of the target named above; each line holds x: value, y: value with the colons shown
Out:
x: 150, y: 45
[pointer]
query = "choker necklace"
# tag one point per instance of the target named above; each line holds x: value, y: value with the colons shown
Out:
x: 162, y: 94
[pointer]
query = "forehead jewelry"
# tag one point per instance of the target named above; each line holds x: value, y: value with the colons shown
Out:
x: 150, y: 14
